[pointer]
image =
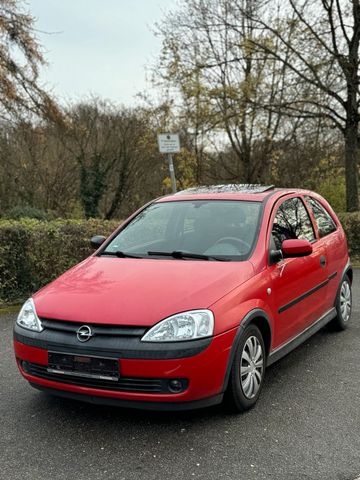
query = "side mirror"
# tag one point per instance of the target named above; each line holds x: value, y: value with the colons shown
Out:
x: 296, y: 248
x: 97, y: 240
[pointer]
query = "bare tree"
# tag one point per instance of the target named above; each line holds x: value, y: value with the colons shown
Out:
x: 21, y: 94
x: 209, y: 57
x: 114, y: 150
x: 317, y: 41
x: 35, y: 169
x: 20, y: 60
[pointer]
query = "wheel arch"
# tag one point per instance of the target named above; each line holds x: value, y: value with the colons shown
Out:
x: 349, y: 272
x: 256, y: 317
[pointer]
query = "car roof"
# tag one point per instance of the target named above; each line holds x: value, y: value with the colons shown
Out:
x: 247, y: 192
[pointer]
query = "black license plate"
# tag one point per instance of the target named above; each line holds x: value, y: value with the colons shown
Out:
x: 83, y: 366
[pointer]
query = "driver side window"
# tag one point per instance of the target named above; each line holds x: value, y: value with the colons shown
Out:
x: 292, y: 221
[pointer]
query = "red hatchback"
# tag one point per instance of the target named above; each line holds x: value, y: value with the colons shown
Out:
x: 189, y: 299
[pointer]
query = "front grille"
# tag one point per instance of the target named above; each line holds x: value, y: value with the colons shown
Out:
x: 97, y: 329
x: 124, y: 384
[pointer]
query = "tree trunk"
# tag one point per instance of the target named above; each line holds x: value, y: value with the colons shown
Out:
x: 351, y: 170
x: 351, y: 68
x: 351, y: 167
x: 92, y: 186
x: 352, y: 142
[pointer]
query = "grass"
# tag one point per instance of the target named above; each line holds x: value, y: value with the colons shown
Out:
x: 355, y: 261
x: 7, y: 309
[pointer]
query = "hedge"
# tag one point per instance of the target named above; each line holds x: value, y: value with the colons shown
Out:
x: 33, y: 252
x: 351, y: 225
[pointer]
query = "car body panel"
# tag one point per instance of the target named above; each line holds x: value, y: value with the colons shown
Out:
x: 137, y: 292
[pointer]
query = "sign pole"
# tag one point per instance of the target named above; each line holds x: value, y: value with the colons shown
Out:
x: 172, y: 172
x: 169, y: 143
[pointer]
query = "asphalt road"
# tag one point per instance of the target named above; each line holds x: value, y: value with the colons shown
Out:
x: 306, y: 425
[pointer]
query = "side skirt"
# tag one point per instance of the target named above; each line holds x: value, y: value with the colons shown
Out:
x: 283, y: 350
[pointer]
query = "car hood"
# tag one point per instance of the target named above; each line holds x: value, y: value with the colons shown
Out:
x: 137, y: 292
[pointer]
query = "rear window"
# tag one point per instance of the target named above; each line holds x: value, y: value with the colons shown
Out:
x: 324, y: 222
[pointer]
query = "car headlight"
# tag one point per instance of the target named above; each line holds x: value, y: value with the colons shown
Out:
x: 28, y: 318
x: 182, y: 326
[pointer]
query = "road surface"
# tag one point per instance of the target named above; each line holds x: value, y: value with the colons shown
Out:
x: 306, y: 425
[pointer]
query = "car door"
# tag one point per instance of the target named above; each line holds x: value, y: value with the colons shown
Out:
x: 298, y: 284
x: 332, y: 238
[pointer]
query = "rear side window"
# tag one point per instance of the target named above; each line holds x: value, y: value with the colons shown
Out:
x: 292, y: 221
x: 323, y: 219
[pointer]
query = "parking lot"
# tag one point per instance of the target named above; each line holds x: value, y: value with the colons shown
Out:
x: 306, y: 425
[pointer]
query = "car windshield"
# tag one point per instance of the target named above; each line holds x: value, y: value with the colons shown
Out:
x: 203, y: 229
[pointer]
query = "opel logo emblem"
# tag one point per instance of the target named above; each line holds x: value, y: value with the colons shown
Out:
x: 84, y: 333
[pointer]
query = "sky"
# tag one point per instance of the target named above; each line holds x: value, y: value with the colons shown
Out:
x: 99, y: 47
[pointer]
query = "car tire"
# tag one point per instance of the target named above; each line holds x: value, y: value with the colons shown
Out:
x: 343, y: 305
x: 247, y: 371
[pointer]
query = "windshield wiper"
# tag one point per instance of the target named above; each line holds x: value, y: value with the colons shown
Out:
x: 183, y: 255
x: 120, y: 254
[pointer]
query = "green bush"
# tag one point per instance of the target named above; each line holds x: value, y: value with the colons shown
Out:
x: 351, y: 225
x: 333, y: 189
x: 19, y: 212
x: 33, y: 252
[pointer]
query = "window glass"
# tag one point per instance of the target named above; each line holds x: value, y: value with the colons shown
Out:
x: 207, y: 227
x: 323, y: 219
x: 149, y: 226
x: 292, y: 221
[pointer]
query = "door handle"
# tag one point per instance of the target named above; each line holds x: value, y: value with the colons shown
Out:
x: 322, y: 261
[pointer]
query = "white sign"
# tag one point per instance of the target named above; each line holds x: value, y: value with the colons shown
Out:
x: 169, y: 142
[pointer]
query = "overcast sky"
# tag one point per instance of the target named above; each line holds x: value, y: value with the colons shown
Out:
x: 98, y: 46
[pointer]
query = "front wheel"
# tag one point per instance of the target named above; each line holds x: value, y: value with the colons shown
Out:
x: 247, y: 371
x: 343, y: 305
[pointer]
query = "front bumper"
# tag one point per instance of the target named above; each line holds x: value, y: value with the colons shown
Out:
x: 202, y: 364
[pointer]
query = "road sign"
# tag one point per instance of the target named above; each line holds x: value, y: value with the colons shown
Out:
x: 169, y: 143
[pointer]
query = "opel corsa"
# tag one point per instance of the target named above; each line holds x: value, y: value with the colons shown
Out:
x: 188, y: 301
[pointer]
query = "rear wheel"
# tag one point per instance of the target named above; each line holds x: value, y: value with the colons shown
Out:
x: 343, y: 305
x: 247, y: 371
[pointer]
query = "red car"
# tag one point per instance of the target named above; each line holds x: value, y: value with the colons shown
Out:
x: 188, y: 301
